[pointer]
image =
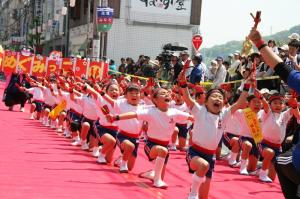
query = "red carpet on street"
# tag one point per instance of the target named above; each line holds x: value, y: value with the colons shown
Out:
x: 37, y: 163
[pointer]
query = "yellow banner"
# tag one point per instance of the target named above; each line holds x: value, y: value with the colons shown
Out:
x: 58, y: 109
x: 253, y: 125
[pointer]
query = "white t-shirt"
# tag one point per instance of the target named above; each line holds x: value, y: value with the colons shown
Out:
x: 233, y: 125
x: 88, y: 107
x: 208, y: 128
x: 75, y: 104
x: 161, y: 124
x: 100, y: 102
x: 292, y: 62
x: 49, y: 98
x: 274, y: 125
x: 233, y: 68
x: 37, y: 93
x: 220, y: 76
x: 132, y: 126
x: 183, y: 107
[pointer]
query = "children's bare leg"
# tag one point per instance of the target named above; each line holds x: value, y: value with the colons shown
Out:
x: 181, y: 143
x: 85, y: 127
x: 252, y: 165
x: 246, y: 148
x: 106, y: 153
x: 127, y: 147
x: 235, y: 149
x: 268, y: 155
x: 174, y: 139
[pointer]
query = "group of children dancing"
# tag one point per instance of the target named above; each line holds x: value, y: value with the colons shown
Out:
x: 101, y: 116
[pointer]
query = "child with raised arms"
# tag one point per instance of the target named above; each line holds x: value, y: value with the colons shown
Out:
x: 161, y: 123
x: 106, y: 131
x: 209, y: 124
x: 129, y: 130
x: 181, y: 129
x: 274, y: 122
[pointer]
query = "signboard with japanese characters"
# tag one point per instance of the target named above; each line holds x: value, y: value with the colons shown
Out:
x: 104, y: 19
x: 161, y: 11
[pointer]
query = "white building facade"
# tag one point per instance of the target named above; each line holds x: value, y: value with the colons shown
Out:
x: 144, y: 26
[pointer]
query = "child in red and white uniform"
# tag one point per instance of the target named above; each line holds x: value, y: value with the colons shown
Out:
x: 50, y: 101
x: 161, y: 123
x: 89, y: 117
x: 106, y: 131
x: 250, y: 153
x: 181, y: 129
x: 231, y: 140
x: 75, y: 116
x: 274, y: 123
x: 209, y: 124
x: 37, y: 100
x: 129, y: 130
x: 63, y: 95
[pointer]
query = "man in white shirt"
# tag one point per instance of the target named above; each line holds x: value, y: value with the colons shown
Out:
x: 234, y: 67
x: 187, y: 63
x: 220, y: 73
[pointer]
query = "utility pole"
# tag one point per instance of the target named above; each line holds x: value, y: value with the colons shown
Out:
x: 88, y: 28
x: 67, y: 29
x: 103, y: 34
x: 96, y: 36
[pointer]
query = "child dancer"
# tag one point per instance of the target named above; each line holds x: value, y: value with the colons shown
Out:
x: 106, y: 131
x: 129, y: 130
x: 250, y: 153
x: 209, y: 124
x: 274, y: 123
x: 75, y: 117
x: 37, y: 99
x: 161, y: 123
x: 50, y: 98
x: 181, y: 129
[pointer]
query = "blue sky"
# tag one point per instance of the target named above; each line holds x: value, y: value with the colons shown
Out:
x: 226, y: 20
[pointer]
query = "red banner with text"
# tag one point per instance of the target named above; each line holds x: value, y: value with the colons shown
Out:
x: 25, y: 63
x: 67, y: 65
x: 10, y: 62
x: 53, y: 66
x: 39, y: 66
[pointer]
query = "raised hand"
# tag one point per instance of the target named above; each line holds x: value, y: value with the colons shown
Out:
x: 293, y: 103
x: 110, y: 118
x: 257, y: 94
x: 181, y: 78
